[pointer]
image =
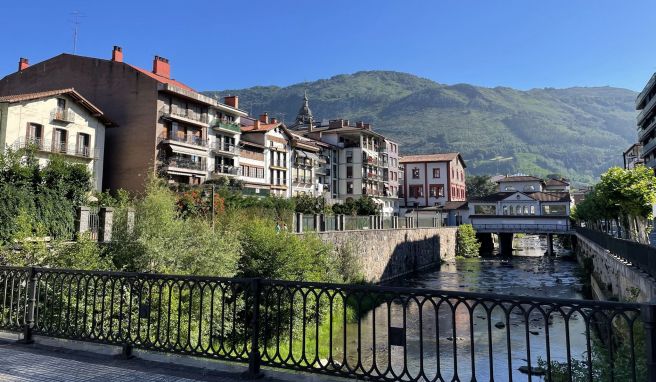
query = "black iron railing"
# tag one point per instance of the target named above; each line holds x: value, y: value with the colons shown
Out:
x: 642, y: 256
x: 365, y: 332
x: 522, y: 228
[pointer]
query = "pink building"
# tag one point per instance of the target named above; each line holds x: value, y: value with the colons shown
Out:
x: 433, y: 179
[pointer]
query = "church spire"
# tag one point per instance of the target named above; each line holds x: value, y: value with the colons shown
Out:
x: 304, y: 116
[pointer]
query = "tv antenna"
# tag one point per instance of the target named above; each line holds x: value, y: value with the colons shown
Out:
x: 77, y: 15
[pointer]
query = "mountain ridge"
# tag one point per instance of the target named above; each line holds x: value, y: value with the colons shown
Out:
x: 577, y: 132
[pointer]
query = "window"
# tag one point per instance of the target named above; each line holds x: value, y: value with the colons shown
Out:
x: 554, y: 209
x: 34, y: 133
x: 83, y: 143
x: 436, y: 190
x: 61, y: 104
x: 349, y: 157
x: 349, y: 187
x: 415, y: 173
x: 59, y: 140
x: 349, y: 172
x: 485, y: 209
x: 436, y: 173
x: 416, y: 191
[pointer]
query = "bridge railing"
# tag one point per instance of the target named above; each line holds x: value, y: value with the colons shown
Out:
x: 640, y: 255
x: 357, y: 331
x: 522, y: 228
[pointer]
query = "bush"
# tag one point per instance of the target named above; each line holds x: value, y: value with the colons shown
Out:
x: 467, y: 245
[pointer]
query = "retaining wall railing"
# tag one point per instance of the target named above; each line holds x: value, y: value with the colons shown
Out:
x: 364, y: 332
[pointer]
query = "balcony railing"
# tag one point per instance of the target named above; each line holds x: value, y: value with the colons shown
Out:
x: 62, y: 115
x: 184, y: 163
x: 226, y: 125
x: 279, y: 163
x: 303, y: 179
x: 56, y: 147
x: 647, y: 110
x: 227, y: 170
x: 186, y: 114
x: 226, y: 148
x: 279, y: 182
x: 188, y: 139
x: 649, y: 146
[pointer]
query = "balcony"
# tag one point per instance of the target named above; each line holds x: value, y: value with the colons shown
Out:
x: 649, y: 147
x: 647, y: 110
x: 303, y: 180
x: 182, y: 164
x: 222, y: 124
x: 184, y: 115
x: 226, y: 148
x: 226, y: 170
x: 192, y: 141
x: 279, y: 182
x: 281, y: 164
x: 55, y: 147
x: 62, y: 115
x: 304, y: 162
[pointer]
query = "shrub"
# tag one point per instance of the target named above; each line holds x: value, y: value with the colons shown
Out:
x: 467, y: 245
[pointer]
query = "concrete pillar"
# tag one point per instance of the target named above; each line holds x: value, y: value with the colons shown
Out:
x: 379, y: 218
x: 550, y: 244
x: 317, y: 222
x: 130, y: 219
x: 372, y: 221
x: 342, y: 223
x: 506, y: 244
x: 105, y: 221
x: 435, y: 222
x: 487, y: 244
x: 337, y: 222
x: 395, y: 222
x: 82, y: 221
x: 299, y: 222
x: 410, y: 222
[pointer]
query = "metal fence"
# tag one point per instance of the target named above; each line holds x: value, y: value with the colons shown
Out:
x: 356, y: 222
x: 642, y: 256
x: 357, y: 331
x: 525, y: 228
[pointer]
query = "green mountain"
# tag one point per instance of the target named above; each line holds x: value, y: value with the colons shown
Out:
x: 576, y: 132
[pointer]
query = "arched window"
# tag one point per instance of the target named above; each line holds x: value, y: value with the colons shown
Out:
x: 525, y: 210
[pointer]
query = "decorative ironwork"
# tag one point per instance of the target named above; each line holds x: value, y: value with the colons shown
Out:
x: 358, y: 331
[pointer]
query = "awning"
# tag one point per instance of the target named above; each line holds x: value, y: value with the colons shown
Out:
x: 377, y: 201
x: 313, y: 156
x: 301, y: 154
x: 187, y: 150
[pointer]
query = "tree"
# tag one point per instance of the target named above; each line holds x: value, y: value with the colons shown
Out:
x: 479, y: 186
x: 466, y: 244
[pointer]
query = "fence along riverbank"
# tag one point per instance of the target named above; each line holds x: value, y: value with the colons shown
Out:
x: 382, y: 333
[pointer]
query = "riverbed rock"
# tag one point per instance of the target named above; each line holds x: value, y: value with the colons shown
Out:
x: 482, y: 317
x: 457, y: 339
x: 533, y: 370
x: 534, y: 332
x: 500, y: 325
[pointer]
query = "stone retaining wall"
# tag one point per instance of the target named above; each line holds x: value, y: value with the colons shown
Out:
x: 387, y: 254
x: 614, y: 277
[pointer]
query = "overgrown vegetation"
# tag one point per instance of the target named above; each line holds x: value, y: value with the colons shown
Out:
x: 479, y: 186
x: 624, y: 197
x: 363, y: 206
x: 467, y: 245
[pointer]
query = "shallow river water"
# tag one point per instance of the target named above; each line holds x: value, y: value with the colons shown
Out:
x: 432, y: 343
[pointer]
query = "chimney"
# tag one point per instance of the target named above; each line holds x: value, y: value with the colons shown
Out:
x: 117, y: 54
x: 264, y: 118
x: 161, y: 67
x: 23, y: 64
x: 256, y: 126
x: 231, y: 101
x: 274, y: 120
x: 359, y: 125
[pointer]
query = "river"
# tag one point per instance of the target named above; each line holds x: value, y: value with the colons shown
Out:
x: 430, y: 342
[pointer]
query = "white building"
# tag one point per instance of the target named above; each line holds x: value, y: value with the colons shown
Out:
x: 59, y: 122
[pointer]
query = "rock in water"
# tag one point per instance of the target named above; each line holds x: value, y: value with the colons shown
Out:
x: 532, y: 370
x: 500, y: 325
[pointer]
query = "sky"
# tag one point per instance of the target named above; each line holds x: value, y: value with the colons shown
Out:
x: 219, y: 44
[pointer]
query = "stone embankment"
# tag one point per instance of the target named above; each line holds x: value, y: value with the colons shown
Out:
x: 385, y: 254
x: 613, y: 277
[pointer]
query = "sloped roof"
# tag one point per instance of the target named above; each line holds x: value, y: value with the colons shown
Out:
x: 556, y: 182
x: 455, y: 205
x: 71, y: 92
x: 162, y: 79
x: 263, y: 127
x: 520, y: 178
x: 439, y: 157
x: 538, y: 196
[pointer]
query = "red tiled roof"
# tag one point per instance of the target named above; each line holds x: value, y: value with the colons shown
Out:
x: 263, y: 127
x: 441, y: 157
x: 162, y: 79
x: 71, y: 92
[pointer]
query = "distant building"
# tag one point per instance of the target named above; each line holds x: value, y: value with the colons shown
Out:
x: 433, y: 179
x: 646, y: 120
x: 633, y: 156
x: 165, y: 125
x: 60, y: 122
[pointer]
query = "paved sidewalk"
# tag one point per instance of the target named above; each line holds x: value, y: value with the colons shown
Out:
x: 19, y: 363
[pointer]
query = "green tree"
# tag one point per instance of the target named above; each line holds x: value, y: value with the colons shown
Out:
x: 467, y: 245
x: 479, y: 186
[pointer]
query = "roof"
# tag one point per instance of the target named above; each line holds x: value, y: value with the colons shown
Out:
x: 520, y: 178
x: 71, y: 92
x: 538, y: 196
x: 556, y: 182
x: 264, y: 127
x: 438, y: 157
x: 161, y: 78
x: 455, y: 205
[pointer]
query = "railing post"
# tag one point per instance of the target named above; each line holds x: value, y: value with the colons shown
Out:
x: 29, y: 309
x: 82, y: 222
x: 299, y: 222
x: 337, y: 221
x: 317, y: 222
x: 254, y: 356
x: 648, y: 312
x: 105, y: 220
x: 130, y: 219
x: 372, y: 222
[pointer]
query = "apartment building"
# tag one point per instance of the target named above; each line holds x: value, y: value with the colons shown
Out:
x: 646, y: 120
x: 56, y: 122
x: 433, y: 179
x: 272, y: 138
x: 633, y: 156
x: 166, y: 126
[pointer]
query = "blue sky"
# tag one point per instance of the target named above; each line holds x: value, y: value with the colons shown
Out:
x: 240, y: 43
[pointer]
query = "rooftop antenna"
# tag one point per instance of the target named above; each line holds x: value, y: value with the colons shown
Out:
x: 76, y: 26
